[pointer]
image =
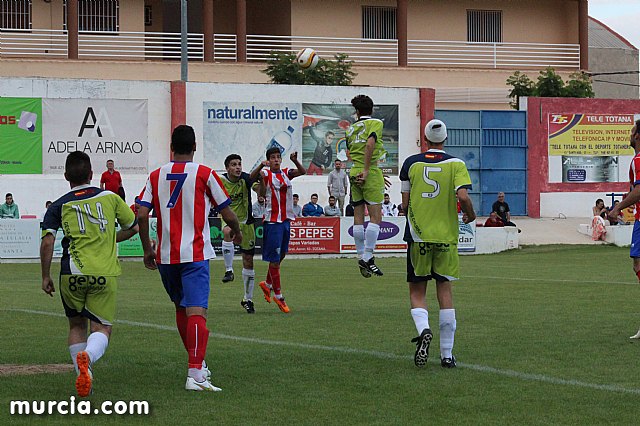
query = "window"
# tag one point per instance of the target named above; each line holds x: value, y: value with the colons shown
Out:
x: 96, y: 15
x: 379, y: 22
x: 15, y: 14
x: 484, y: 26
x: 148, y: 17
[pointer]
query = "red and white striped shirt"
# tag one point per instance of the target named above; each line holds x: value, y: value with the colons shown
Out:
x: 279, y: 197
x: 634, y: 179
x: 182, y: 193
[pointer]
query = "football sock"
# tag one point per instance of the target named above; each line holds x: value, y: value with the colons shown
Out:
x: 181, y: 323
x: 274, y: 273
x: 447, y: 331
x: 227, y: 254
x: 96, y: 346
x: 74, y: 350
x: 197, y: 338
x: 638, y: 275
x: 248, y: 278
x: 420, y: 318
x: 358, y: 239
x: 370, y: 239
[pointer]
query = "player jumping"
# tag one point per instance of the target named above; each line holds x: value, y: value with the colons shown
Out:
x: 364, y: 140
x: 275, y: 186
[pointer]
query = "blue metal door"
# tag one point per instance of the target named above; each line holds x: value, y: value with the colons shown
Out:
x: 493, y: 144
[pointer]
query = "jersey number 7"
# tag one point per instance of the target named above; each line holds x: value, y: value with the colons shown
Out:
x: 180, y: 178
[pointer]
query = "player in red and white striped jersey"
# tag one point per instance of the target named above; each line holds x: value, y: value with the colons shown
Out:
x: 633, y: 199
x: 275, y: 186
x: 182, y: 193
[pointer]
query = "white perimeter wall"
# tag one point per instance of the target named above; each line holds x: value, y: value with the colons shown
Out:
x: 31, y: 191
x: 406, y: 99
x: 571, y: 204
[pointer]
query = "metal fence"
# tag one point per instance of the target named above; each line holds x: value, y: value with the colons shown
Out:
x: 159, y: 45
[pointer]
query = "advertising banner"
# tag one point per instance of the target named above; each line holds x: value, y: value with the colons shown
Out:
x: 19, y: 238
x: 133, y: 246
x: 106, y: 129
x: 389, y: 239
x: 315, y: 235
x: 249, y: 129
x: 589, y: 147
x: 215, y: 225
x: 466, y: 236
x: 20, y: 136
x: 323, y: 136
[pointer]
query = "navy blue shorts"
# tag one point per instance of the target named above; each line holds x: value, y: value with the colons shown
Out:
x: 275, y: 240
x: 635, y: 240
x: 187, y: 284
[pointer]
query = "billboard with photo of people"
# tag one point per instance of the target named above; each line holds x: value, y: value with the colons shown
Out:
x: 323, y: 136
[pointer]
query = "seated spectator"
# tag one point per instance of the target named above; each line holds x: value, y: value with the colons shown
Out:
x: 494, y: 221
x: 9, y: 210
x: 46, y: 207
x: 259, y: 207
x: 388, y: 208
x: 348, y: 211
x: 312, y: 209
x: 599, y: 209
x: 400, y: 210
x: 332, y: 209
x: 297, y: 209
x: 501, y: 207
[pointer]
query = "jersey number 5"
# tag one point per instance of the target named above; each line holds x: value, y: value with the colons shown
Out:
x: 436, y: 186
x: 179, y: 178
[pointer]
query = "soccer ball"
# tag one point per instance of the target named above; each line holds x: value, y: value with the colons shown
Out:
x: 307, y: 58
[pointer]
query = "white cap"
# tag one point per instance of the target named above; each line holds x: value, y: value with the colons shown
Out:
x: 435, y: 131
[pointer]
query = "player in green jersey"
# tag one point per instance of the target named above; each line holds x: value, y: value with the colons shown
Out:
x: 364, y: 141
x: 89, y: 265
x: 432, y: 183
x: 239, y: 185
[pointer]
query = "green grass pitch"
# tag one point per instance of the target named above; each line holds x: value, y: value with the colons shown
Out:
x: 543, y: 338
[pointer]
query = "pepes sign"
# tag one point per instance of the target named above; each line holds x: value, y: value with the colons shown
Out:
x: 315, y: 235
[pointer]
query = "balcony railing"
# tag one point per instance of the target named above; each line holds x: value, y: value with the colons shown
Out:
x: 166, y: 46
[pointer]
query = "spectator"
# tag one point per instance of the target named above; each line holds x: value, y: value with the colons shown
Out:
x: 388, y: 208
x: 332, y: 209
x: 338, y: 184
x: 111, y: 180
x: 9, y: 210
x: 297, y: 209
x: 502, y: 209
x: 323, y: 152
x: 349, y: 210
x: 259, y: 207
x: 312, y: 209
x: 400, y: 210
x: 599, y: 209
x: 494, y: 221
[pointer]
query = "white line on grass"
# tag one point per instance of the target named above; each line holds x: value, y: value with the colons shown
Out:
x: 376, y: 354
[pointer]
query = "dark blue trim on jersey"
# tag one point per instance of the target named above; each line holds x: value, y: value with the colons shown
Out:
x: 145, y: 204
x: 226, y: 203
x: 429, y: 157
x: 636, y: 183
x: 465, y: 186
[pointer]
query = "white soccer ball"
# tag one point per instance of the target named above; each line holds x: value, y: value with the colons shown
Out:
x: 307, y: 58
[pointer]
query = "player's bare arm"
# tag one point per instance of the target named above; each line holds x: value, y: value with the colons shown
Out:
x: 468, y: 214
x: 46, y: 254
x: 405, y: 201
x: 255, y: 173
x: 149, y: 258
x: 300, y: 170
x: 125, y: 234
x: 368, y: 153
x: 231, y: 220
x: 631, y: 198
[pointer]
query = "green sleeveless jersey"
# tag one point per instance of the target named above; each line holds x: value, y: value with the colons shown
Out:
x: 88, y: 217
x: 240, y: 195
x: 432, y: 178
x: 357, y: 135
